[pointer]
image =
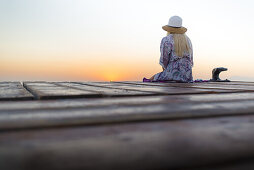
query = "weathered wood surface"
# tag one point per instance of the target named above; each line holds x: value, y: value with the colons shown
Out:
x: 121, y: 112
x: 13, y: 91
x: 104, y: 90
x: 181, y: 144
x: 166, y: 90
x: 126, y: 101
x: 126, y: 125
x: 60, y: 90
x: 208, y: 85
x: 45, y: 90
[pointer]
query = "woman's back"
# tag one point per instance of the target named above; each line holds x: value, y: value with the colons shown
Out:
x: 168, y: 48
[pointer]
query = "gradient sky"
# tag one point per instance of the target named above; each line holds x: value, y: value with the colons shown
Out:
x: 102, y: 40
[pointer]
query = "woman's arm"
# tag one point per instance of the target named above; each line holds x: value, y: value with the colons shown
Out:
x: 191, y: 53
x: 165, y: 49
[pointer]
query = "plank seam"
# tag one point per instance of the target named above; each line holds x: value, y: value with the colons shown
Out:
x: 30, y: 90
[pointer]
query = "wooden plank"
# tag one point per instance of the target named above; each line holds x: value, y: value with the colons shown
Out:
x: 105, y: 91
x: 243, y: 82
x: 172, y: 85
x: 126, y: 101
x: 18, y: 119
x: 13, y: 91
x: 47, y: 90
x: 182, y: 144
x: 160, y: 90
x: 205, y: 85
x: 235, y: 83
x: 222, y: 86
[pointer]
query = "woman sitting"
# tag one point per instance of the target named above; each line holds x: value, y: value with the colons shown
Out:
x: 176, y: 54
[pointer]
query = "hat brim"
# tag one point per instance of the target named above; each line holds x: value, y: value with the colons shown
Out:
x: 180, y: 30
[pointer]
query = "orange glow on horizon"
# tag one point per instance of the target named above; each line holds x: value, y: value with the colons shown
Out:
x: 110, y: 76
x: 81, y: 69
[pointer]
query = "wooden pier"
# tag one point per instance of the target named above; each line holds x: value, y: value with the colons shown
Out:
x: 126, y: 126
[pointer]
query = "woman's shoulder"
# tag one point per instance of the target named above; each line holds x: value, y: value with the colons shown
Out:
x: 168, y: 38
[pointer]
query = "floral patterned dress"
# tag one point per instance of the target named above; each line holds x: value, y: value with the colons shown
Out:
x: 175, y: 68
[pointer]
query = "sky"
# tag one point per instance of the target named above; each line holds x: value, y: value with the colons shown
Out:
x: 119, y: 40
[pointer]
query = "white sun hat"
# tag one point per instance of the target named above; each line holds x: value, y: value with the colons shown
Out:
x: 175, y: 25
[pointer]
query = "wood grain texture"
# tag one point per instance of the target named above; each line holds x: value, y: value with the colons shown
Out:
x: 47, y: 90
x: 235, y: 83
x: 104, y: 90
x: 124, y: 101
x: 127, y: 125
x: 163, y: 90
x: 38, y: 118
x: 181, y: 144
x: 13, y: 91
x: 206, y: 85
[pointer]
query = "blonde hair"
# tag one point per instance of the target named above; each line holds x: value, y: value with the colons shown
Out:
x: 181, y: 44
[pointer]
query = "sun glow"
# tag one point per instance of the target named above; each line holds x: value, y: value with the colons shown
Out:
x: 109, y: 75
